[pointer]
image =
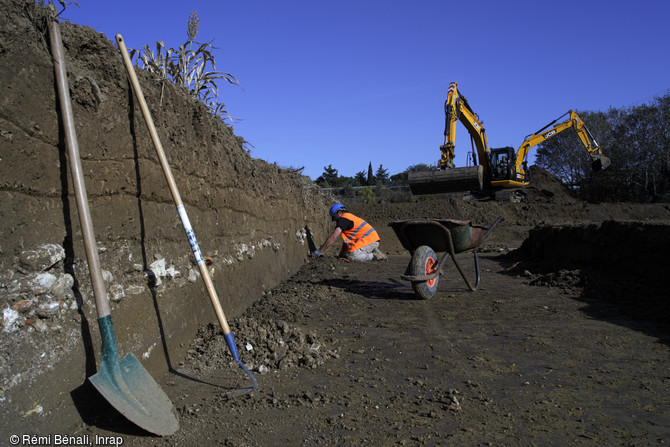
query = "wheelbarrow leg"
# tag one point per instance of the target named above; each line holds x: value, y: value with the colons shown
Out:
x: 465, y: 277
x: 452, y: 252
x: 474, y: 250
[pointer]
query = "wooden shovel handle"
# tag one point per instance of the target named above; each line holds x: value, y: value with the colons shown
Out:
x: 58, y: 56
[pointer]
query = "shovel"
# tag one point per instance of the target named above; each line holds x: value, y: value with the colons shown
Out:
x: 190, y: 235
x: 125, y: 383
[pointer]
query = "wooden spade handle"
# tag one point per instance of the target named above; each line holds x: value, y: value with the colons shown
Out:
x: 58, y: 56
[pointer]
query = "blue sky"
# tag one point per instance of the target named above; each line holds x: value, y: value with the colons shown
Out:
x: 347, y: 83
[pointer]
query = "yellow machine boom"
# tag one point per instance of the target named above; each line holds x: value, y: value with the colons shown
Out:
x: 494, y: 169
x: 517, y: 174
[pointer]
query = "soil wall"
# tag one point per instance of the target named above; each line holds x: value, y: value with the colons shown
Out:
x: 252, y: 219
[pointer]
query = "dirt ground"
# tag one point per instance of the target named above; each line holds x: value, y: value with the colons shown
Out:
x: 565, y: 343
x: 511, y: 364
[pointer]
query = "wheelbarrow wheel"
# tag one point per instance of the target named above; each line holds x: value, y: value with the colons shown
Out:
x: 424, y: 262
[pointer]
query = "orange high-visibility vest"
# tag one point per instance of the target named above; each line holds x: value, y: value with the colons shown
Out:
x: 360, y: 235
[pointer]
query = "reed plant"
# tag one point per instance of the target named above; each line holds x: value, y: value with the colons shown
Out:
x: 191, y: 66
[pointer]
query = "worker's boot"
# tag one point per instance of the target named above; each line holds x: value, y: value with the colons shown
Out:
x: 378, y: 255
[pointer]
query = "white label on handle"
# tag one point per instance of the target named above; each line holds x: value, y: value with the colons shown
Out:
x: 190, y: 234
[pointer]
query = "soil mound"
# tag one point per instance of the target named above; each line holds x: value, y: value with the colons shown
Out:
x: 545, y: 188
x: 617, y: 262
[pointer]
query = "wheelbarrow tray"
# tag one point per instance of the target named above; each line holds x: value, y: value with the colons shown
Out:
x: 448, y: 236
x: 435, y: 233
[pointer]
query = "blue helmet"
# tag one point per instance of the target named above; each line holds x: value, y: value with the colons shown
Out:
x: 335, y: 208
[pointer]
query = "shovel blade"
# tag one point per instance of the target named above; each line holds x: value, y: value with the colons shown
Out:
x: 129, y: 388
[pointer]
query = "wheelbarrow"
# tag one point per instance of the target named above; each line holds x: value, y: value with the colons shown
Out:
x: 425, y: 238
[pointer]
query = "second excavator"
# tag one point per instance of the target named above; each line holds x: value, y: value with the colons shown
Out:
x: 494, y: 169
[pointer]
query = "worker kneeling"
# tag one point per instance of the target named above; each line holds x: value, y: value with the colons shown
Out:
x: 361, y: 241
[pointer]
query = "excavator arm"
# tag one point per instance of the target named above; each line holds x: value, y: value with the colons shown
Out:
x: 496, y: 169
x: 599, y: 161
x: 456, y: 108
x: 450, y: 178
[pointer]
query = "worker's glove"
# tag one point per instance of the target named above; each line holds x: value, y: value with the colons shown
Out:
x: 317, y: 253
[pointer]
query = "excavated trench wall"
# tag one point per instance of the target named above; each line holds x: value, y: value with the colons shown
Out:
x: 253, y: 220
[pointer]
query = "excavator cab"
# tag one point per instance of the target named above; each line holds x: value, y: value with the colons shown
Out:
x: 504, y: 169
x: 502, y: 165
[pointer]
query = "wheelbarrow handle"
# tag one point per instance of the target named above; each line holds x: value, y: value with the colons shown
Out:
x: 497, y: 221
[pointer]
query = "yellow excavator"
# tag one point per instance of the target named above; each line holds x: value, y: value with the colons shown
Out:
x: 494, y: 169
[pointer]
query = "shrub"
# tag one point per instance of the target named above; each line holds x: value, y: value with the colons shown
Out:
x: 188, y: 66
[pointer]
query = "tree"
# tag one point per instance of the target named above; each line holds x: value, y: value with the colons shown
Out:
x: 360, y: 178
x: 368, y: 194
x: 371, y: 178
x: 641, y: 143
x: 418, y: 167
x: 400, y: 177
x: 329, y: 177
x: 382, y: 175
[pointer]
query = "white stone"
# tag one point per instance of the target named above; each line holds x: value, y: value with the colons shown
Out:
x: 10, y: 319
x: 107, y: 276
x: 42, y: 257
x: 42, y: 283
x: 116, y: 292
x: 192, y: 275
x: 62, y: 287
x: 134, y: 290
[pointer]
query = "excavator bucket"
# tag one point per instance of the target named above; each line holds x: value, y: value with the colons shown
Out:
x: 447, y: 180
x: 600, y: 162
